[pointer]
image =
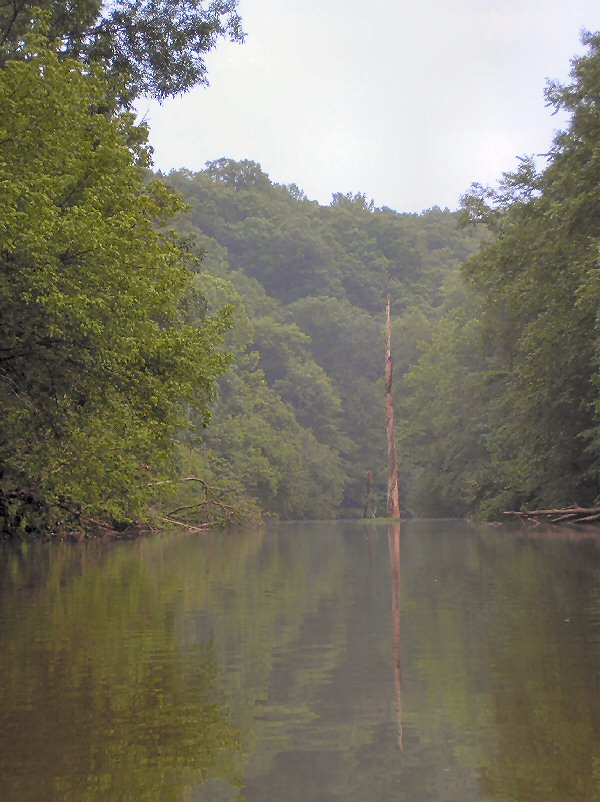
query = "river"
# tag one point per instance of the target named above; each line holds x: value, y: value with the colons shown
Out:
x: 318, y: 662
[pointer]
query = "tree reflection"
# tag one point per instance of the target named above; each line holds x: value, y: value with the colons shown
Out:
x: 119, y: 668
x: 100, y: 700
x: 394, y: 549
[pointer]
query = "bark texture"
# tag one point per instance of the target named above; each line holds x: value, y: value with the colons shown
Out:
x: 393, y: 502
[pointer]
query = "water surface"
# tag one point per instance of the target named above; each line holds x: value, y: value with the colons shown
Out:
x: 331, y: 662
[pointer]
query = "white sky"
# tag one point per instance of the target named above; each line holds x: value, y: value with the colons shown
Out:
x: 408, y: 101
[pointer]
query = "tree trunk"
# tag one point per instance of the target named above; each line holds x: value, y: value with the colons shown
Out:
x: 393, y: 503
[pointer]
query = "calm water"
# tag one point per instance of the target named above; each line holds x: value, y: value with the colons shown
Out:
x: 303, y: 663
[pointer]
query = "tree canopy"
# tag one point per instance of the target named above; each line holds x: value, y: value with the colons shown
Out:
x: 525, y: 354
x: 154, y: 48
x: 99, y: 362
x: 299, y: 418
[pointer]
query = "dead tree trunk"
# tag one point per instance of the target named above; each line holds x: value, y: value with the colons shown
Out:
x: 393, y: 503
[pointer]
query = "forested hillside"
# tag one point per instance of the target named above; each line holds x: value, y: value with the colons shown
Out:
x: 503, y: 410
x: 496, y: 360
x: 299, y: 418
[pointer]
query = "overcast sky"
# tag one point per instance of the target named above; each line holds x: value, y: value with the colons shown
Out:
x: 408, y: 101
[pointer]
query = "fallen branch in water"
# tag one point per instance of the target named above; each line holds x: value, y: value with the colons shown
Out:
x: 216, y: 506
x: 175, y: 522
x: 568, y: 515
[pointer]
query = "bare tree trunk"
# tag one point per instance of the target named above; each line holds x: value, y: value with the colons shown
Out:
x: 393, y: 503
x: 369, y: 495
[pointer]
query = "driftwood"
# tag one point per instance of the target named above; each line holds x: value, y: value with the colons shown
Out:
x: 569, y: 515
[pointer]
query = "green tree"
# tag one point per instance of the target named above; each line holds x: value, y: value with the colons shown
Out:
x: 98, y: 366
x: 442, y: 433
x: 504, y: 411
x: 152, y: 48
x: 542, y: 292
x: 266, y: 446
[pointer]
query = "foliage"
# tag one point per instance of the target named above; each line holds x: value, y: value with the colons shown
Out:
x: 528, y: 380
x: 152, y: 48
x: 98, y: 364
x: 299, y: 418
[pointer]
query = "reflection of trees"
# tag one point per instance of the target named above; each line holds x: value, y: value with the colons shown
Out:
x: 546, y: 698
x: 98, y: 698
x: 139, y: 627
x: 291, y: 630
x: 500, y: 634
x: 478, y: 618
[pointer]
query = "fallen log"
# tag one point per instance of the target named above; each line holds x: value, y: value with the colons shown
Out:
x: 564, y: 517
x: 568, y: 515
x: 588, y: 519
x: 566, y: 510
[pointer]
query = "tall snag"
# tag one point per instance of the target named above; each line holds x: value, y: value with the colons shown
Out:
x: 393, y: 503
